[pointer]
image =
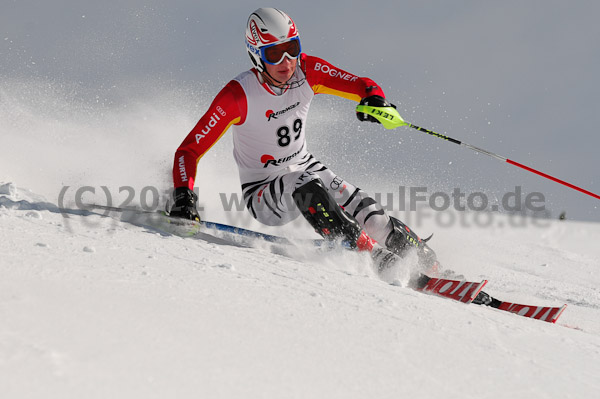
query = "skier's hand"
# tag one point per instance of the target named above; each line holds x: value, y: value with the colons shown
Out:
x: 185, y: 204
x: 373, y: 101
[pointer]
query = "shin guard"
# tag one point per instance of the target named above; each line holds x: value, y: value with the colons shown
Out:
x: 327, y: 217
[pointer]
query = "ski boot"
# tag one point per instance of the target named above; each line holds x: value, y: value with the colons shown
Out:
x: 185, y: 204
x: 402, y: 239
x: 333, y: 223
x: 483, y: 298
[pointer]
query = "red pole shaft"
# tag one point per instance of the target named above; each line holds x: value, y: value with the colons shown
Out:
x: 501, y: 158
x: 537, y: 172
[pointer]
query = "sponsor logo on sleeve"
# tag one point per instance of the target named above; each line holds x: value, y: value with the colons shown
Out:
x: 182, y: 171
x: 326, y: 69
x: 214, y: 119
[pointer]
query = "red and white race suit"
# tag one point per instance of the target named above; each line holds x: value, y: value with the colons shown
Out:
x: 269, y: 143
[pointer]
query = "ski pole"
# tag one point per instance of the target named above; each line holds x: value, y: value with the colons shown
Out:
x: 319, y: 243
x: 390, y: 119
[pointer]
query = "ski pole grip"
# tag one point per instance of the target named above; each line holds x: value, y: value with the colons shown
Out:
x: 387, y: 116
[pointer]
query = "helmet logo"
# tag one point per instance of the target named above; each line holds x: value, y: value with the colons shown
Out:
x: 292, y: 32
x: 254, y: 29
x: 259, y: 37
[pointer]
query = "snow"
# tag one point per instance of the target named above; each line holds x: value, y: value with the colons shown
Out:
x: 98, y: 307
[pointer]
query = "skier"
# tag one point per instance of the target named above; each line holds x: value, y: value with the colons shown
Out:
x: 268, y: 106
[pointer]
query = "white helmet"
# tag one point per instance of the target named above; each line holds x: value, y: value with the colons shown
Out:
x: 266, y: 28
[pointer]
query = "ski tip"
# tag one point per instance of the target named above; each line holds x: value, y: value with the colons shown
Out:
x: 557, y: 315
x: 481, y: 285
x: 477, y: 290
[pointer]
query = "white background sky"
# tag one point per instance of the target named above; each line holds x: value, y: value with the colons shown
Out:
x: 519, y: 78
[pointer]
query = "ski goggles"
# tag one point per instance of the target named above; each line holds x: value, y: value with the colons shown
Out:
x: 273, y: 53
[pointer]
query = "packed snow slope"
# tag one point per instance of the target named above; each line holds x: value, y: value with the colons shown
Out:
x: 93, y: 306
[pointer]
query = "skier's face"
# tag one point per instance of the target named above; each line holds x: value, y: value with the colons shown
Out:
x: 282, y: 72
